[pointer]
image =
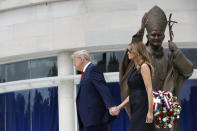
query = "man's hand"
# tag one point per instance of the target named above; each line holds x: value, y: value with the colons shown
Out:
x: 172, y: 46
x: 114, y: 111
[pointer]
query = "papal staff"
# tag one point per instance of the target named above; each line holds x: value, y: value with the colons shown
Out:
x: 170, y: 24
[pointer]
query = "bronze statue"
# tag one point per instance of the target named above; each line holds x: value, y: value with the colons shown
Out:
x: 171, y: 67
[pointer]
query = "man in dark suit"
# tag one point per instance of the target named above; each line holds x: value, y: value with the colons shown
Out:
x: 94, y: 100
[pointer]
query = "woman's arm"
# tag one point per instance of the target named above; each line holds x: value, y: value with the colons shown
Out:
x: 145, y: 71
x: 124, y: 103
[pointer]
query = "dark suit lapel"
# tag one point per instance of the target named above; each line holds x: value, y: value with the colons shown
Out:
x: 83, y: 78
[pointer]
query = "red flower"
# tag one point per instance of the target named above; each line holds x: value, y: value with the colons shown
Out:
x: 174, y: 121
x: 157, y: 122
x: 170, y: 113
x: 174, y: 100
x: 161, y: 114
x: 161, y: 126
x: 168, y: 121
x: 175, y: 115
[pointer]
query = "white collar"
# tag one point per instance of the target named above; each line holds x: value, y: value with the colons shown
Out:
x: 84, y: 69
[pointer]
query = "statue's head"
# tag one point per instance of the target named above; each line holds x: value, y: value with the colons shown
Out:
x: 155, y: 22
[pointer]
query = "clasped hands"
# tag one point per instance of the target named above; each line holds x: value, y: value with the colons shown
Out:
x: 114, y: 111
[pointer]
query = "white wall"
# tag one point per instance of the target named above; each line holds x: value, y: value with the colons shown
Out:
x: 13, y: 4
x: 80, y: 23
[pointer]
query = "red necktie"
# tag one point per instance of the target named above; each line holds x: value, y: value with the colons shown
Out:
x: 82, y: 74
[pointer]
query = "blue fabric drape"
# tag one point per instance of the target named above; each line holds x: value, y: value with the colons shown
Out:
x: 188, y: 100
x: 30, y: 110
x: 2, y: 112
x: 44, y: 110
x: 17, y: 111
x: 194, y: 106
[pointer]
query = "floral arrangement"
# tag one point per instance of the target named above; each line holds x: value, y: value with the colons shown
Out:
x: 166, y: 109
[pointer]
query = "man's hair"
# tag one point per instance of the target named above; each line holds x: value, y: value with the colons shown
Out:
x: 83, y: 54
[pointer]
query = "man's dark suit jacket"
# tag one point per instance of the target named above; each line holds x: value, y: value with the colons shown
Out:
x: 93, y: 98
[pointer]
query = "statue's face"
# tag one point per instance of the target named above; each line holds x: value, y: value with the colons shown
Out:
x: 156, y: 38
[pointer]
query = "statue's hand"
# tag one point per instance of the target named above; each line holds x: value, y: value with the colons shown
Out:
x: 172, y: 46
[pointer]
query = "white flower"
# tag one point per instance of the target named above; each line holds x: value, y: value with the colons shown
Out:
x: 165, y: 119
x: 170, y: 126
x: 157, y: 113
x: 157, y: 126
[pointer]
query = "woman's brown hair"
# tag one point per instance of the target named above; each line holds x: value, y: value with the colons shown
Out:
x: 140, y: 50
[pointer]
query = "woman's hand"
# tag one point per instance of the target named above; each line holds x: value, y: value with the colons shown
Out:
x: 114, y: 111
x: 149, y: 117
